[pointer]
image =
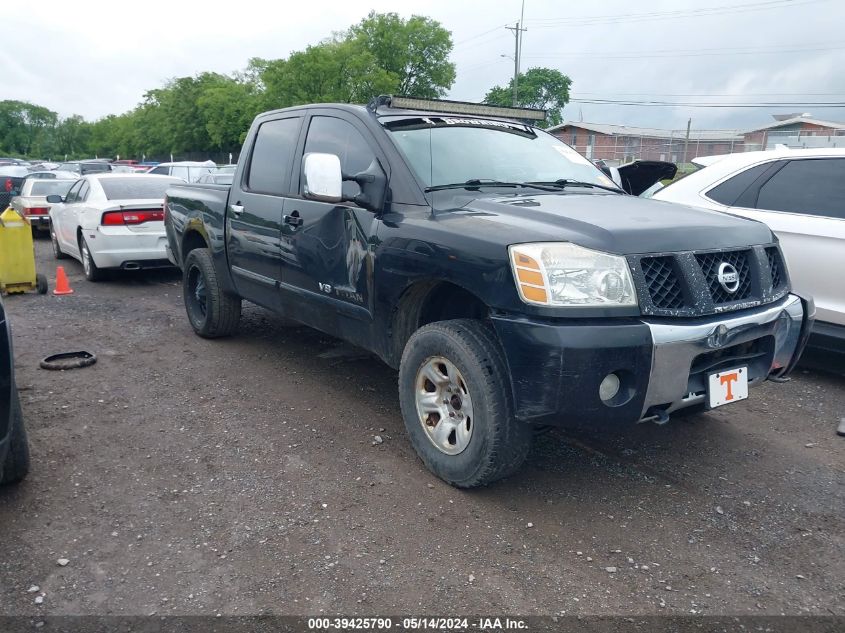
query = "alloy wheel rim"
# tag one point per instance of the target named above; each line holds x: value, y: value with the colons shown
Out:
x: 444, y: 405
x: 198, y: 293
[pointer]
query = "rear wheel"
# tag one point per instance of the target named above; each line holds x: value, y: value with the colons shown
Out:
x: 57, y: 250
x: 455, y: 397
x: 92, y: 273
x: 211, y: 311
x: 16, y: 466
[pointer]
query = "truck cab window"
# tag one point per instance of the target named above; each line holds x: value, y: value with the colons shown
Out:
x: 330, y: 135
x: 272, y: 154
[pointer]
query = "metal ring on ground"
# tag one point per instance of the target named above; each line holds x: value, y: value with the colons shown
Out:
x: 69, y: 360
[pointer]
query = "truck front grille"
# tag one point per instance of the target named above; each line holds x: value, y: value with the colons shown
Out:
x: 688, y: 283
x: 776, y: 266
x: 662, y: 281
x: 710, y: 263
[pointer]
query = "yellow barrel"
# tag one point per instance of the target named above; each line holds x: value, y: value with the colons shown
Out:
x: 17, y: 256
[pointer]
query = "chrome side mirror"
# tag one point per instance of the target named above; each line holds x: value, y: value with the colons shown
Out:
x: 323, y: 178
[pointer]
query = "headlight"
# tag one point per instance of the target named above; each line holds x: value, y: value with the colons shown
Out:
x: 563, y: 274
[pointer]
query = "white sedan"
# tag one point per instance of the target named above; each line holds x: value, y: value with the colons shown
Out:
x: 800, y: 195
x: 112, y: 221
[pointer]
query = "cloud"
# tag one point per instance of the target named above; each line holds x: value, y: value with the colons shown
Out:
x: 101, y: 56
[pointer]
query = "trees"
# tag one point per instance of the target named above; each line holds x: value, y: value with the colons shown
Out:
x: 211, y: 112
x: 544, y: 88
x: 26, y: 128
x: 414, y: 51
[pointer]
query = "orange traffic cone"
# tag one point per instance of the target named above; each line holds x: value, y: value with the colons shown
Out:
x: 62, y: 284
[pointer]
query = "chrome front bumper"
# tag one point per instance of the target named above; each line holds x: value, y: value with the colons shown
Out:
x: 677, y: 345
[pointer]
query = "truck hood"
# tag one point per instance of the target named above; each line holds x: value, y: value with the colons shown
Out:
x: 612, y: 223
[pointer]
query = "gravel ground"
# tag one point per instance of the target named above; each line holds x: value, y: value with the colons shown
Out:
x: 240, y: 476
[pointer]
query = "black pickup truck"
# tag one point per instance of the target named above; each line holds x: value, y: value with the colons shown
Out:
x: 511, y: 283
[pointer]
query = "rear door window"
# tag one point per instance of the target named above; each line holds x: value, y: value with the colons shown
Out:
x: 180, y: 171
x: 73, y: 193
x: 810, y: 186
x: 729, y: 191
x: 272, y: 155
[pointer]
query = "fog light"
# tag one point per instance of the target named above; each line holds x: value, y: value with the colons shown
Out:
x: 609, y: 387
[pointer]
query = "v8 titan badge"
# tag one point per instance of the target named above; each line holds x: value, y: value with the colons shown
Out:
x: 727, y: 386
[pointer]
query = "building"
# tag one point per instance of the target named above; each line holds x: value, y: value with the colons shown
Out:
x: 621, y: 144
x: 624, y: 143
x: 797, y: 131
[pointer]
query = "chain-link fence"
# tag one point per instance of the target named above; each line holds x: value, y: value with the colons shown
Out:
x: 617, y: 145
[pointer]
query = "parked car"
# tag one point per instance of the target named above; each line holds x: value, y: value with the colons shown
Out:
x: 52, y: 175
x: 800, y: 195
x: 216, y: 178
x: 189, y: 171
x: 32, y: 202
x: 11, y: 179
x: 82, y: 167
x: 14, y: 447
x: 111, y: 221
x: 639, y: 176
x: 508, y: 280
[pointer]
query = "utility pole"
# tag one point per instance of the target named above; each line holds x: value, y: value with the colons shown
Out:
x: 686, y: 142
x: 517, y: 32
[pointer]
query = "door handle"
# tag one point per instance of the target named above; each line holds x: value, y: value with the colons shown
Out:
x: 237, y: 209
x: 293, y: 219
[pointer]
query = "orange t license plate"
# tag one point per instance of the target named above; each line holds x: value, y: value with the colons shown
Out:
x: 724, y: 387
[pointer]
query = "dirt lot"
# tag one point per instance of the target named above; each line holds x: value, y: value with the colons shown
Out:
x: 185, y: 476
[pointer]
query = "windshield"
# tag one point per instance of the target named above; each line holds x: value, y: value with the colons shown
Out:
x: 50, y: 187
x: 444, y: 150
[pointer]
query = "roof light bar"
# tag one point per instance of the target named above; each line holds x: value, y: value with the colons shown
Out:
x: 461, y: 107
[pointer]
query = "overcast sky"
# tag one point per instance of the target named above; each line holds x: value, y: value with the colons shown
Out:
x: 98, y: 57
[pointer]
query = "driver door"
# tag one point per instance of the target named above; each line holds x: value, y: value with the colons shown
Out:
x: 65, y: 233
x: 327, y: 259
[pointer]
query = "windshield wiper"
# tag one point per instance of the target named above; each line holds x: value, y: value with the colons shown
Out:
x: 475, y: 183
x: 562, y: 183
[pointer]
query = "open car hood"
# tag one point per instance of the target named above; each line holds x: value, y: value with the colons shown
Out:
x: 642, y: 174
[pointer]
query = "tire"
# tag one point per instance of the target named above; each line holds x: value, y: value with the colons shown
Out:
x: 57, y: 250
x: 16, y: 466
x: 41, y: 284
x: 497, y: 444
x: 212, y: 312
x: 92, y: 273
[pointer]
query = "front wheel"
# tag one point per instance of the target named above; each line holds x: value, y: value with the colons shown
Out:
x: 54, y: 239
x: 211, y: 311
x: 454, y: 393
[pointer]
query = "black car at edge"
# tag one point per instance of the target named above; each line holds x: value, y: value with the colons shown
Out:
x: 14, y: 448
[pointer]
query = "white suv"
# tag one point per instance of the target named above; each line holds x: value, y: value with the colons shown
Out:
x: 800, y: 194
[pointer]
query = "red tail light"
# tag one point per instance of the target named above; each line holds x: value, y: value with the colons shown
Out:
x: 125, y: 218
x: 36, y: 210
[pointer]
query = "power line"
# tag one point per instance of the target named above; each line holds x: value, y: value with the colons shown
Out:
x: 702, y: 52
x: 469, y: 39
x: 713, y: 94
x: 670, y: 104
x: 669, y: 15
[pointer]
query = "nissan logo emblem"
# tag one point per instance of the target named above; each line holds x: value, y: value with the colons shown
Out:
x: 728, y: 277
